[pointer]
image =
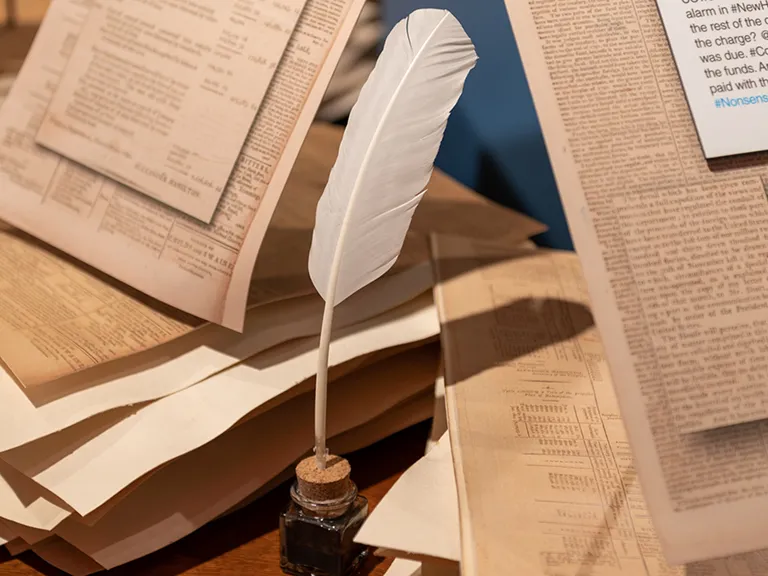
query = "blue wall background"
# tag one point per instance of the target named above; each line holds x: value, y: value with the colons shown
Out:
x: 493, y: 141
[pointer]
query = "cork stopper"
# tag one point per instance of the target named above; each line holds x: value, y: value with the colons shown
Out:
x: 318, y: 485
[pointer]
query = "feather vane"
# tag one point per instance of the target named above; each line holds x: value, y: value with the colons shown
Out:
x: 384, y: 164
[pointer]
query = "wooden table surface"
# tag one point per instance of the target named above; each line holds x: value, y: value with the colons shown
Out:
x: 247, y: 541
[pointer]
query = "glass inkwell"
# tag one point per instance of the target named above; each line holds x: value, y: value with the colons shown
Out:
x: 318, y: 526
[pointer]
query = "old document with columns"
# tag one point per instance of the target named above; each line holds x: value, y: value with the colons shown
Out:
x: 546, y: 480
x: 201, y: 269
x: 674, y: 253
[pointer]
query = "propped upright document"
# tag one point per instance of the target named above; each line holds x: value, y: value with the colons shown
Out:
x: 160, y: 96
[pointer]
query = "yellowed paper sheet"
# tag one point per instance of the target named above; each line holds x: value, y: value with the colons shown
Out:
x: 439, y: 417
x: 58, y: 318
x: 65, y: 557
x: 65, y: 325
x: 136, y: 239
x: 673, y: 245
x: 6, y: 534
x: 23, y: 502
x: 672, y: 248
x: 24, y: 417
x: 97, y: 462
x: 160, y: 96
x: 419, y: 515
x: 404, y: 567
x: 546, y: 479
x: 27, y: 534
x: 17, y: 546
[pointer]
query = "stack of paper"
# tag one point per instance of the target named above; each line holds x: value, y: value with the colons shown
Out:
x: 159, y: 327
x: 84, y: 453
x: 534, y: 475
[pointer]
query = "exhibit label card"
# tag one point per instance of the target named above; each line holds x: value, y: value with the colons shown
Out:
x: 160, y: 95
x: 721, y: 51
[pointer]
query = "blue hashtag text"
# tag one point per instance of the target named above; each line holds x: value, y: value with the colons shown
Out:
x: 741, y: 101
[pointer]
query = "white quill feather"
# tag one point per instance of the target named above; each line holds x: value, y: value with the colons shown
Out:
x: 384, y: 163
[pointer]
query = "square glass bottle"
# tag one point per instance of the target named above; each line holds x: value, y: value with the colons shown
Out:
x: 318, y: 526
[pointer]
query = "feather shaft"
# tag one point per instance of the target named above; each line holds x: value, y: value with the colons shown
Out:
x: 321, y: 385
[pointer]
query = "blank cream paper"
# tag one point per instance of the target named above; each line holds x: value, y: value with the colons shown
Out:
x: 405, y: 567
x: 160, y: 96
x: 673, y: 250
x: 136, y: 239
x: 23, y: 502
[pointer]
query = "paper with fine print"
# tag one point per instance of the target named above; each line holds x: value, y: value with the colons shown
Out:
x: 160, y: 96
x: 540, y: 450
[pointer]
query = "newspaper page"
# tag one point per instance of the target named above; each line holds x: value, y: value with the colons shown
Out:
x: 673, y: 249
x: 675, y: 245
x: 546, y: 478
x: 202, y: 269
x: 160, y: 95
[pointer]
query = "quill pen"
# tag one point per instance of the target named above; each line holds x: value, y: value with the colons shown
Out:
x: 383, y: 166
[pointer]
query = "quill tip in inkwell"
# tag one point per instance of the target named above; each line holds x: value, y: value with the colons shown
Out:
x: 318, y: 527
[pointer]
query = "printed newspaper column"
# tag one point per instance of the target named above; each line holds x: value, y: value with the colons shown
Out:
x: 161, y: 95
x: 721, y: 50
x: 674, y: 250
